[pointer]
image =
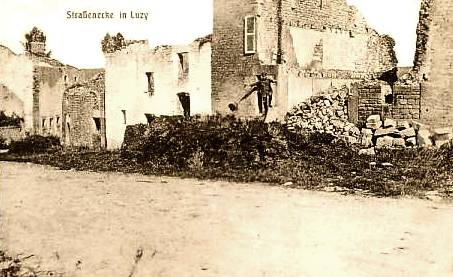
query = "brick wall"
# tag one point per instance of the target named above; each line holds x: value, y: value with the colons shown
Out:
x: 404, y: 102
x: 232, y: 70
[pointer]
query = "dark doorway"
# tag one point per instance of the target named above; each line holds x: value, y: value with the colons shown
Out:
x: 184, y: 99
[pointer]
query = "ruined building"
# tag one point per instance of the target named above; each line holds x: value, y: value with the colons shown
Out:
x: 142, y: 82
x: 83, y: 113
x: 34, y: 85
x: 433, y: 62
x: 306, y: 45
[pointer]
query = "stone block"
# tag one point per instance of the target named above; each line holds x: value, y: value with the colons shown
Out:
x: 384, y: 142
x: 410, y: 132
x: 374, y: 126
x: 402, y: 124
x: 366, y: 131
x: 424, y: 138
x: 442, y: 131
x: 392, y: 131
x: 399, y: 142
x: 441, y: 142
x: 367, y: 152
x: 389, y: 123
x: 412, y: 141
x: 367, y: 141
x: 373, y: 118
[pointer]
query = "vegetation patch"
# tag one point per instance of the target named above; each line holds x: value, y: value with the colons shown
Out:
x: 226, y: 148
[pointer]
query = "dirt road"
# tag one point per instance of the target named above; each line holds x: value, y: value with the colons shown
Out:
x: 90, y: 224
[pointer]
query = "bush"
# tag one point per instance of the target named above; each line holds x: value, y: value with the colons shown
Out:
x: 215, y: 141
x: 12, y: 120
x: 34, y: 144
x: 3, y: 144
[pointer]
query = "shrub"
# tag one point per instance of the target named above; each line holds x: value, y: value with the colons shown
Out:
x: 34, y: 144
x: 12, y: 120
x: 213, y: 141
x: 3, y: 144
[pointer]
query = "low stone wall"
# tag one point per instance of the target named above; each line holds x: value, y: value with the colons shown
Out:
x: 12, y: 133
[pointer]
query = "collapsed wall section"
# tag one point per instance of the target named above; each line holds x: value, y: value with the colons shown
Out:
x: 83, y: 122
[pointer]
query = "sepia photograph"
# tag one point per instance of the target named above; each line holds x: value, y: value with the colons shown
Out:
x: 226, y: 138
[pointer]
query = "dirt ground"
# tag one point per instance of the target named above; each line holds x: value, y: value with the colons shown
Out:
x: 92, y: 224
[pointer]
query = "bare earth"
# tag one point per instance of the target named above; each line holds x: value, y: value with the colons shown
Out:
x: 91, y: 224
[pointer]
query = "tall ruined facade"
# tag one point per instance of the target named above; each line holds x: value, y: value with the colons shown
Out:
x: 307, y: 45
x: 433, y: 61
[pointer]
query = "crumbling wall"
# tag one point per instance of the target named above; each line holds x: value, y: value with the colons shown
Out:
x: 401, y: 101
x: 10, y: 103
x: 48, y: 88
x: 16, y: 73
x: 141, y: 81
x: 295, y: 40
x: 433, y: 62
x: 83, y: 122
x: 421, y: 58
x: 338, y: 34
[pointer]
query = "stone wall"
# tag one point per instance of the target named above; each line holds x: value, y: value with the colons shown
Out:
x: 10, y: 103
x: 38, y: 82
x: 16, y: 73
x: 131, y: 95
x: 402, y: 101
x: 48, y: 88
x: 12, y: 133
x: 83, y: 123
x: 433, y: 61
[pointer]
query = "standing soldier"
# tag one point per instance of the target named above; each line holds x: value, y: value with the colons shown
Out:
x: 266, y: 85
x: 263, y: 90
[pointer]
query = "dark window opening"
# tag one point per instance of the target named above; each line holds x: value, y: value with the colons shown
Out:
x: 124, y: 116
x: 75, y: 79
x: 43, y: 122
x: 184, y: 99
x: 150, y: 78
x: 389, y: 98
x: 97, y: 122
x: 65, y: 78
x: 149, y: 117
x: 183, y: 65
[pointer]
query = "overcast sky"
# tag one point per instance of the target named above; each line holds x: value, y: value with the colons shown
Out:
x: 77, y: 42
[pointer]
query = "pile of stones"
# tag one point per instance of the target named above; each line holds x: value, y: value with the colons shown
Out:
x: 389, y: 133
x: 324, y: 114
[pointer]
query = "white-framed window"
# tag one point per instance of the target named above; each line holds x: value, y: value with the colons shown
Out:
x: 249, y: 35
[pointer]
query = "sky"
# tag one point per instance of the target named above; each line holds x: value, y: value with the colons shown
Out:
x: 77, y: 41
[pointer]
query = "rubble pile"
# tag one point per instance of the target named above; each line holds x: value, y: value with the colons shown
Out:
x: 324, y: 114
x: 389, y: 133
